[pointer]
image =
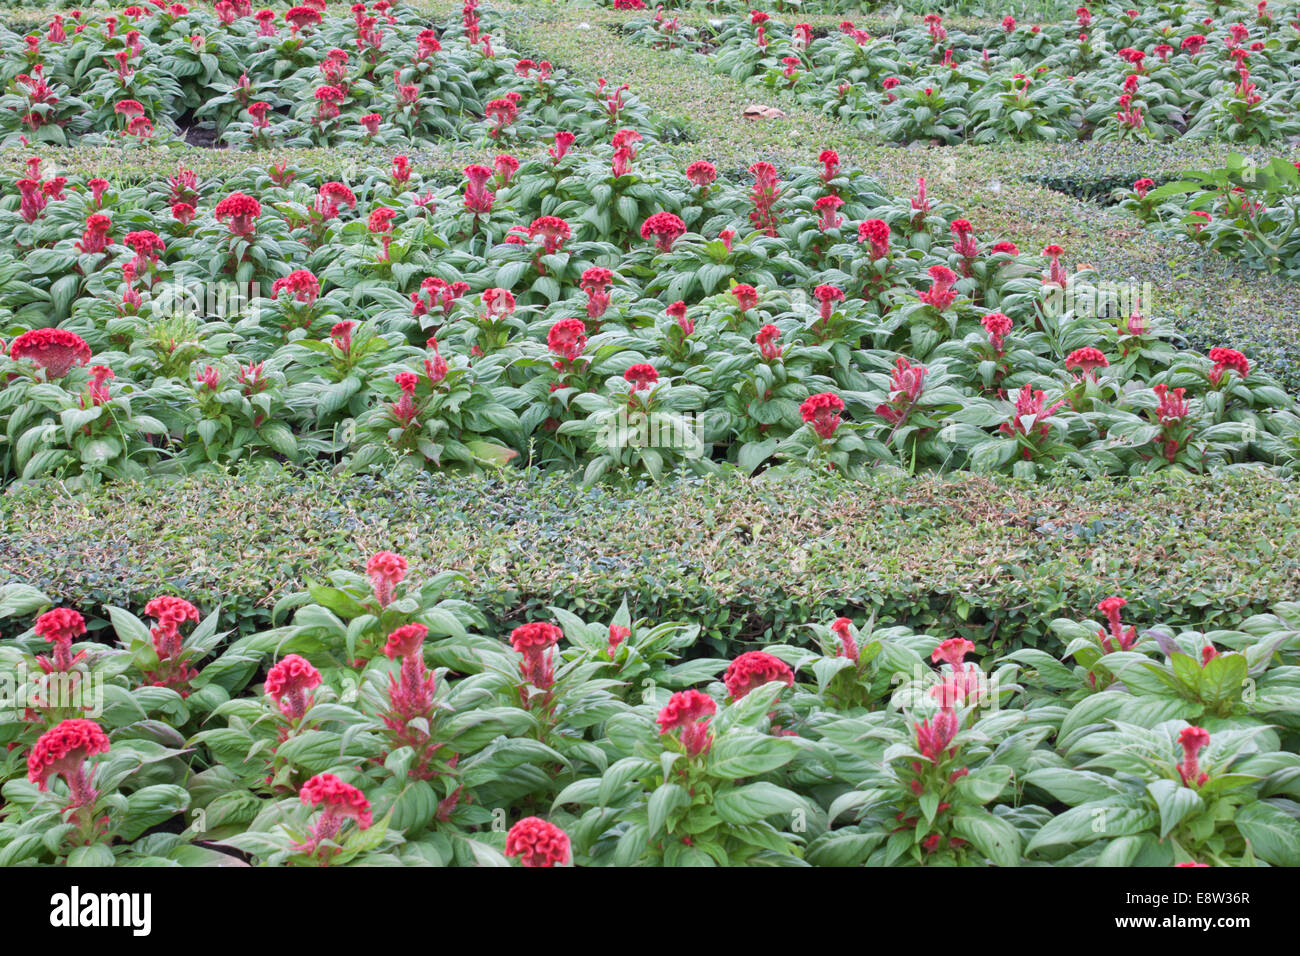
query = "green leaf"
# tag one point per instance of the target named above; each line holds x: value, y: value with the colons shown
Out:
x: 1274, y: 835
x: 993, y: 836
x: 1175, y: 802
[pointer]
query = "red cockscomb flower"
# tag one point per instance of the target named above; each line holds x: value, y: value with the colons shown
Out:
x: 302, y: 283
x: 823, y: 412
x: 754, y: 669
x: 289, y: 683
x: 242, y: 210
x: 689, y: 711
x: 537, y: 843
x: 1086, y: 359
x: 55, y: 350
x: 665, y: 227
x: 642, y: 376
x: 567, y: 338
x: 1193, y: 740
x: 701, y: 172
x: 62, y: 752
x: 385, y: 570
x: 1225, y: 359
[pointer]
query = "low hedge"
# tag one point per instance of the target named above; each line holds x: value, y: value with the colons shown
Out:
x: 750, y: 560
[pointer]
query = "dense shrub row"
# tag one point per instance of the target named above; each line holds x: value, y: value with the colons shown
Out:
x: 993, y: 562
x: 1114, y: 74
x: 381, y: 726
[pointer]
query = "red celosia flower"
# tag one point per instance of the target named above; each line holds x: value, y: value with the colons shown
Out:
x: 405, y: 641
x: 381, y: 220
x: 330, y: 196
x: 952, y: 651
x: 642, y: 376
x: 304, y: 286
x: 553, y: 230
x: 965, y: 245
x: 59, y: 627
x: 170, y: 613
x: 183, y: 213
x: 504, y: 112
x: 842, y: 628
x: 701, y: 173
x: 689, y: 711
x: 62, y: 751
x: 1143, y: 186
x: 998, y: 327
x: 55, y: 350
x: 1125, y: 639
x: 941, y: 294
x: 828, y: 208
x: 96, y: 237
x: 875, y: 231
x: 766, y: 340
x: 665, y: 227
x: 764, y: 196
x: 339, y: 801
x: 567, y: 338
x: 905, y: 386
x: 1030, y: 403
x: 289, y: 683
x: 385, y: 570
x: 754, y: 669
x: 823, y: 412
x: 147, y: 246
x: 499, y: 303
x: 1193, y: 741
x: 563, y: 140
x: 1056, y: 271
x: 1009, y: 248
x: 301, y: 17
x: 535, y: 642
x: 97, y: 387
x: 617, y: 635
x: 535, y: 841
x: 1225, y: 359
x: 506, y: 166
x: 746, y: 296
x: 935, y: 736
x: 827, y: 296
x: 411, y: 696
x: 830, y: 161
x: 595, y: 283
x: 242, y: 210
x: 1086, y: 359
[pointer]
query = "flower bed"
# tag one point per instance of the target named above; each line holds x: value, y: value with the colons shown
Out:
x: 380, y: 726
x: 1109, y: 75
x: 805, y: 318
x: 158, y: 74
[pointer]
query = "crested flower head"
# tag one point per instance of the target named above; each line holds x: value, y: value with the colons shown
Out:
x: 55, y: 350
x: 537, y: 843
x: 289, y: 683
x: 754, y: 669
x: 385, y: 570
x: 62, y: 752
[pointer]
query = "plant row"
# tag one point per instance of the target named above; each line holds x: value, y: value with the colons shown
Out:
x: 1168, y: 71
x: 381, y: 727
x: 592, y: 311
x: 157, y: 73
